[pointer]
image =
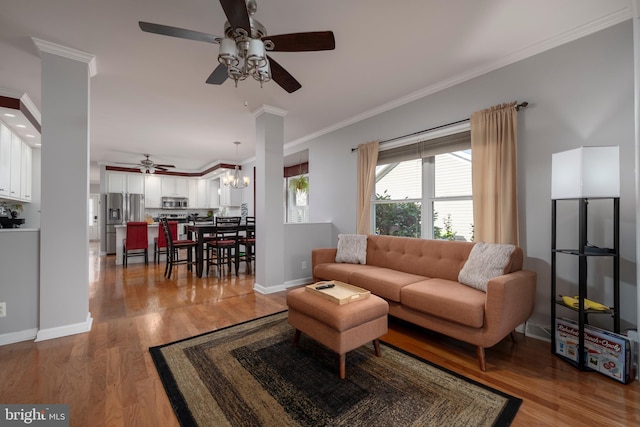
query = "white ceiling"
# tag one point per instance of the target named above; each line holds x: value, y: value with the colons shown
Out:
x: 150, y: 96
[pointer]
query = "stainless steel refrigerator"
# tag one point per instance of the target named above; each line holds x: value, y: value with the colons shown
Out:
x: 120, y: 208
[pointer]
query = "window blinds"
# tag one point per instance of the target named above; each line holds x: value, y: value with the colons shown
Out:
x: 428, y: 148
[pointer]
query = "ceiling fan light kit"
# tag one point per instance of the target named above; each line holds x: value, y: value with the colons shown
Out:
x: 243, y: 49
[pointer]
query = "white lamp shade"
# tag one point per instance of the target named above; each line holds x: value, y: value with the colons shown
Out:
x: 228, y: 52
x: 255, y: 55
x: 586, y: 172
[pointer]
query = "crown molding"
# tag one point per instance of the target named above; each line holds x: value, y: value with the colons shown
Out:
x: 268, y: 109
x: 67, y: 52
x: 566, y: 37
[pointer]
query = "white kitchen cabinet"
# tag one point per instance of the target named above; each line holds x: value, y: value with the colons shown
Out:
x: 16, y: 167
x: 116, y: 182
x: 175, y: 187
x: 5, y: 160
x: 193, y: 193
x: 135, y: 183
x: 214, y: 193
x: 25, y: 171
x: 152, y: 191
x: 203, y: 196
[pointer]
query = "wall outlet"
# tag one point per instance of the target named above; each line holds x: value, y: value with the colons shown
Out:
x: 3, y: 309
x: 304, y: 265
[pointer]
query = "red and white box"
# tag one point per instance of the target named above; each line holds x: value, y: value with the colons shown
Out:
x: 605, y: 352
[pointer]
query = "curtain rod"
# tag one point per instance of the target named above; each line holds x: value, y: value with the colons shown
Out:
x: 518, y: 107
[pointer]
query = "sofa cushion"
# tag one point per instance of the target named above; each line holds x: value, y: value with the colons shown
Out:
x: 446, y: 299
x: 486, y: 261
x: 383, y: 282
x: 352, y: 248
x: 340, y: 271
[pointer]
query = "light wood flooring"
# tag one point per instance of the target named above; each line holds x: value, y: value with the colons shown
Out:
x: 108, y: 379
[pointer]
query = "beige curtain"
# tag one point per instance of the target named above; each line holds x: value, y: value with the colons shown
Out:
x: 495, y: 201
x: 367, y: 160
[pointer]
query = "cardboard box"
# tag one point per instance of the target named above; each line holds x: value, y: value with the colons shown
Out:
x: 605, y: 352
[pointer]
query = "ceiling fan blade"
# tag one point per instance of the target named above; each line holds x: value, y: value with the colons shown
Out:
x: 218, y: 76
x: 158, y: 167
x: 282, y: 77
x: 180, y: 33
x: 303, y: 42
x: 237, y: 14
x: 164, y: 166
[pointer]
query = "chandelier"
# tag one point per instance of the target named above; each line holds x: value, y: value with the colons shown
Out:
x: 235, y: 180
x: 244, y: 54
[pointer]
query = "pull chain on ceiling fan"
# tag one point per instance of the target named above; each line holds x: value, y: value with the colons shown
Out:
x: 243, y: 49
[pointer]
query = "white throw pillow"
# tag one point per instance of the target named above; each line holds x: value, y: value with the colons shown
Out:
x: 352, y: 248
x: 486, y: 261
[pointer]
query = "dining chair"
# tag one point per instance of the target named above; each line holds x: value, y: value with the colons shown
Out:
x: 223, y: 243
x: 173, y: 250
x: 160, y: 242
x: 248, y: 243
x: 136, y: 242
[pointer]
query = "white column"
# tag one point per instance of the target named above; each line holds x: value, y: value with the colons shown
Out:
x: 64, y: 241
x: 269, y: 197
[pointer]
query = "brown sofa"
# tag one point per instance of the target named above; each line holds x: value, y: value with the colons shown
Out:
x: 419, y: 280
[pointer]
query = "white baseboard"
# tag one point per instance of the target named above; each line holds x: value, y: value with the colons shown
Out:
x: 13, y: 337
x: 63, y: 331
x: 286, y: 285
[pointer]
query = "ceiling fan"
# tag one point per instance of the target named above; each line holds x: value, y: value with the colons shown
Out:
x: 243, y: 48
x: 148, y: 166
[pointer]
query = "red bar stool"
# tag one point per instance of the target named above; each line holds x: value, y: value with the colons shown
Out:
x: 136, y: 243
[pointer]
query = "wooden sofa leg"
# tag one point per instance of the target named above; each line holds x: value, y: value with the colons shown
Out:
x: 481, y: 359
x: 513, y: 336
x: 296, y: 338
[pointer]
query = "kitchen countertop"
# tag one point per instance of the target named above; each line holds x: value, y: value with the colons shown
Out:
x: 4, y: 230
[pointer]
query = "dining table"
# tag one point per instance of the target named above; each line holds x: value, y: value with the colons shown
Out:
x: 198, y: 230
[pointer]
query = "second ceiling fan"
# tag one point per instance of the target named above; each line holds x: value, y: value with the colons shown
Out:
x: 244, y: 46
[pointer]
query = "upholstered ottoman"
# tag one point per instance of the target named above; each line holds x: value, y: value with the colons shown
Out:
x: 342, y: 328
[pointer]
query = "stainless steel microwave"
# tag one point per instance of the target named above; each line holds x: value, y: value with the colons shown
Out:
x: 175, y: 203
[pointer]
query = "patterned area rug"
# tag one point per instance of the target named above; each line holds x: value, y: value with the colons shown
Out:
x: 251, y: 375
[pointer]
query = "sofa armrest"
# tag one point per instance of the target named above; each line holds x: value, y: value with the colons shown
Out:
x: 322, y: 256
x: 509, y: 302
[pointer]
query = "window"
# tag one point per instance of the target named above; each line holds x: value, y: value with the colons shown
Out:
x: 296, y: 191
x: 424, y: 190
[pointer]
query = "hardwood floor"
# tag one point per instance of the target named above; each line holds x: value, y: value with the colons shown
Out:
x: 108, y: 379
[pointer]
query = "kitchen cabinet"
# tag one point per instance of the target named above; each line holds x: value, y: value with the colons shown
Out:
x: 203, y: 196
x: 5, y: 160
x: 152, y: 191
x: 116, y: 182
x: 175, y: 187
x: 193, y: 193
x: 135, y: 183
x: 16, y: 166
x: 25, y: 176
x: 214, y: 193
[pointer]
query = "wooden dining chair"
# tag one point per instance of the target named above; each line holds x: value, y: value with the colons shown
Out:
x: 248, y: 243
x: 136, y: 242
x: 222, y: 245
x: 173, y: 250
x: 160, y: 242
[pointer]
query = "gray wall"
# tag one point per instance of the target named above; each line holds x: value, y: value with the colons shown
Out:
x: 579, y: 94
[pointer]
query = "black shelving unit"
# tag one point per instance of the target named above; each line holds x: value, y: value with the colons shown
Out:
x: 583, y: 255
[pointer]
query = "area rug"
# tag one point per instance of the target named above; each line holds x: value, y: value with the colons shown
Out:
x: 251, y: 375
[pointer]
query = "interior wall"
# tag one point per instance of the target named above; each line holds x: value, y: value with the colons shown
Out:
x: 579, y: 94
